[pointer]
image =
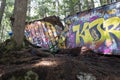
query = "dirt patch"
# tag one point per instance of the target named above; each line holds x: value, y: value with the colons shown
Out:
x: 63, y: 66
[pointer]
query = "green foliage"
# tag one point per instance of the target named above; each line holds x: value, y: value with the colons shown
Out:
x: 10, y: 45
x: 6, y: 24
x: 103, y: 2
x: 7, y: 46
x: 30, y: 75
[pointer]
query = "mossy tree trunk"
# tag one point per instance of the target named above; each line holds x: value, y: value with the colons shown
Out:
x: 19, y: 16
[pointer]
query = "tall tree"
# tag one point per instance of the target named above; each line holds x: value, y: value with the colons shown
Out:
x: 2, y: 8
x: 87, y: 5
x: 92, y: 2
x: 56, y: 1
x: 79, y: 5
x: 101, y: 2
x: 29, y: 8
x: 20, y: 9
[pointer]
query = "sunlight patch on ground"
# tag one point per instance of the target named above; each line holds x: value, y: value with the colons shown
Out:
x: 46, y: 63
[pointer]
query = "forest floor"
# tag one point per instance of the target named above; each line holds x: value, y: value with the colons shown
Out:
x: 68, y: 64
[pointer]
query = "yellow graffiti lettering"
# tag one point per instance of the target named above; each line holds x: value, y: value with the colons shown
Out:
x: 98, y: 22
x: 86, y: 36
x: 102, y: 27
x: 114, y: 22
x: 76, y: 29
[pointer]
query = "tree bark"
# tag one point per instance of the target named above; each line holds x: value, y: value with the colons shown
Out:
x: 2, y: 8
x: 92, y: 3
x: 87, y: 5
x: 101, y: 2
x: 79, y: 5
x: 19, y: 16
x: 57, y: 13
x: 71, y: 7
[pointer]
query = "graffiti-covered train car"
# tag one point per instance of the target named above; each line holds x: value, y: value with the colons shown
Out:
x: 44, y: 33
x: 98, y: 29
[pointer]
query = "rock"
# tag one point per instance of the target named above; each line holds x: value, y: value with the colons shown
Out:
x: 85, y: 76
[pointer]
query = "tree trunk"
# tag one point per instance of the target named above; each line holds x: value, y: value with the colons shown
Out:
x: 20, y: 10
x: 2, y: 32
x: 87, y: 5
x: 56, y: 1
x: 101, y: 2
x: 29, y: 8
x: 71, y: 7
x: 2, y: 8
x: 80, y: 6
x: 92, y: 3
